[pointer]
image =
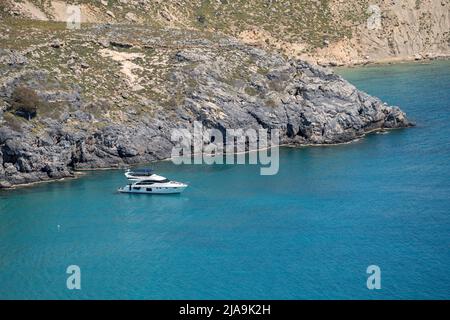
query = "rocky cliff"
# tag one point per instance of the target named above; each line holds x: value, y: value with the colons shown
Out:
x: 110, y: 95
x: 328, y: 32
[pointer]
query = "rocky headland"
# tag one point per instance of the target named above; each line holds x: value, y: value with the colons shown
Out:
x: 109, y: 95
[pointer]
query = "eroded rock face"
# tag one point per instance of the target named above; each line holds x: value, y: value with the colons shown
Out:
x: 221, y: 83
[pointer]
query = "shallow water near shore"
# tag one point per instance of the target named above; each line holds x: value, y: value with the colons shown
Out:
x: 308, y: 232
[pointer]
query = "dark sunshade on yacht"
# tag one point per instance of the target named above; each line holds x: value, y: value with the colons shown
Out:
x: 142, y: 172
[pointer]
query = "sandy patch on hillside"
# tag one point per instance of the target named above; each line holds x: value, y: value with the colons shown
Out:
x: 30, y: 10
x: 125, y: 59
x: 89, y: 13
x: 58, y: 10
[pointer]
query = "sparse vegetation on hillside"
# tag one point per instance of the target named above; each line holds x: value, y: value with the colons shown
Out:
x: 323, y: 31
x: 301, y: 20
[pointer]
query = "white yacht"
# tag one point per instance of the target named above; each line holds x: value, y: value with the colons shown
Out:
x: 144, y: 181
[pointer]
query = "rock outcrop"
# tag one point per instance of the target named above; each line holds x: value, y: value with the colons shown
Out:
x: 96, y: 117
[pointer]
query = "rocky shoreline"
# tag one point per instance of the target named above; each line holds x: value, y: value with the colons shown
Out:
x: 110, y: 102
x: 385, y: 61
x: 72, y: 173
x: 79, y: 173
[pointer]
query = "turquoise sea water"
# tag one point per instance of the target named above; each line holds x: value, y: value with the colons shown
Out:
x: 308, y: 232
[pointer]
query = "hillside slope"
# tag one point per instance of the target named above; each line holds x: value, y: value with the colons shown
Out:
x: 326, y: 32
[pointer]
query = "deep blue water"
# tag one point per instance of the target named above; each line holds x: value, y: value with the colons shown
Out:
x: 308, y: 232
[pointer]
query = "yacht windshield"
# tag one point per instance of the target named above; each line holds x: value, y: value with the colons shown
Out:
x: 141, y: 173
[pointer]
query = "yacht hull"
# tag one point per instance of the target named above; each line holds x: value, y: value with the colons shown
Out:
x: 146, y: 182
x: 152, y: 190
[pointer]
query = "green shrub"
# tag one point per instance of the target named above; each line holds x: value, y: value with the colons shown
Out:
x: 251, y: 91
x: 25, y: 102
x: 201, y: 19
